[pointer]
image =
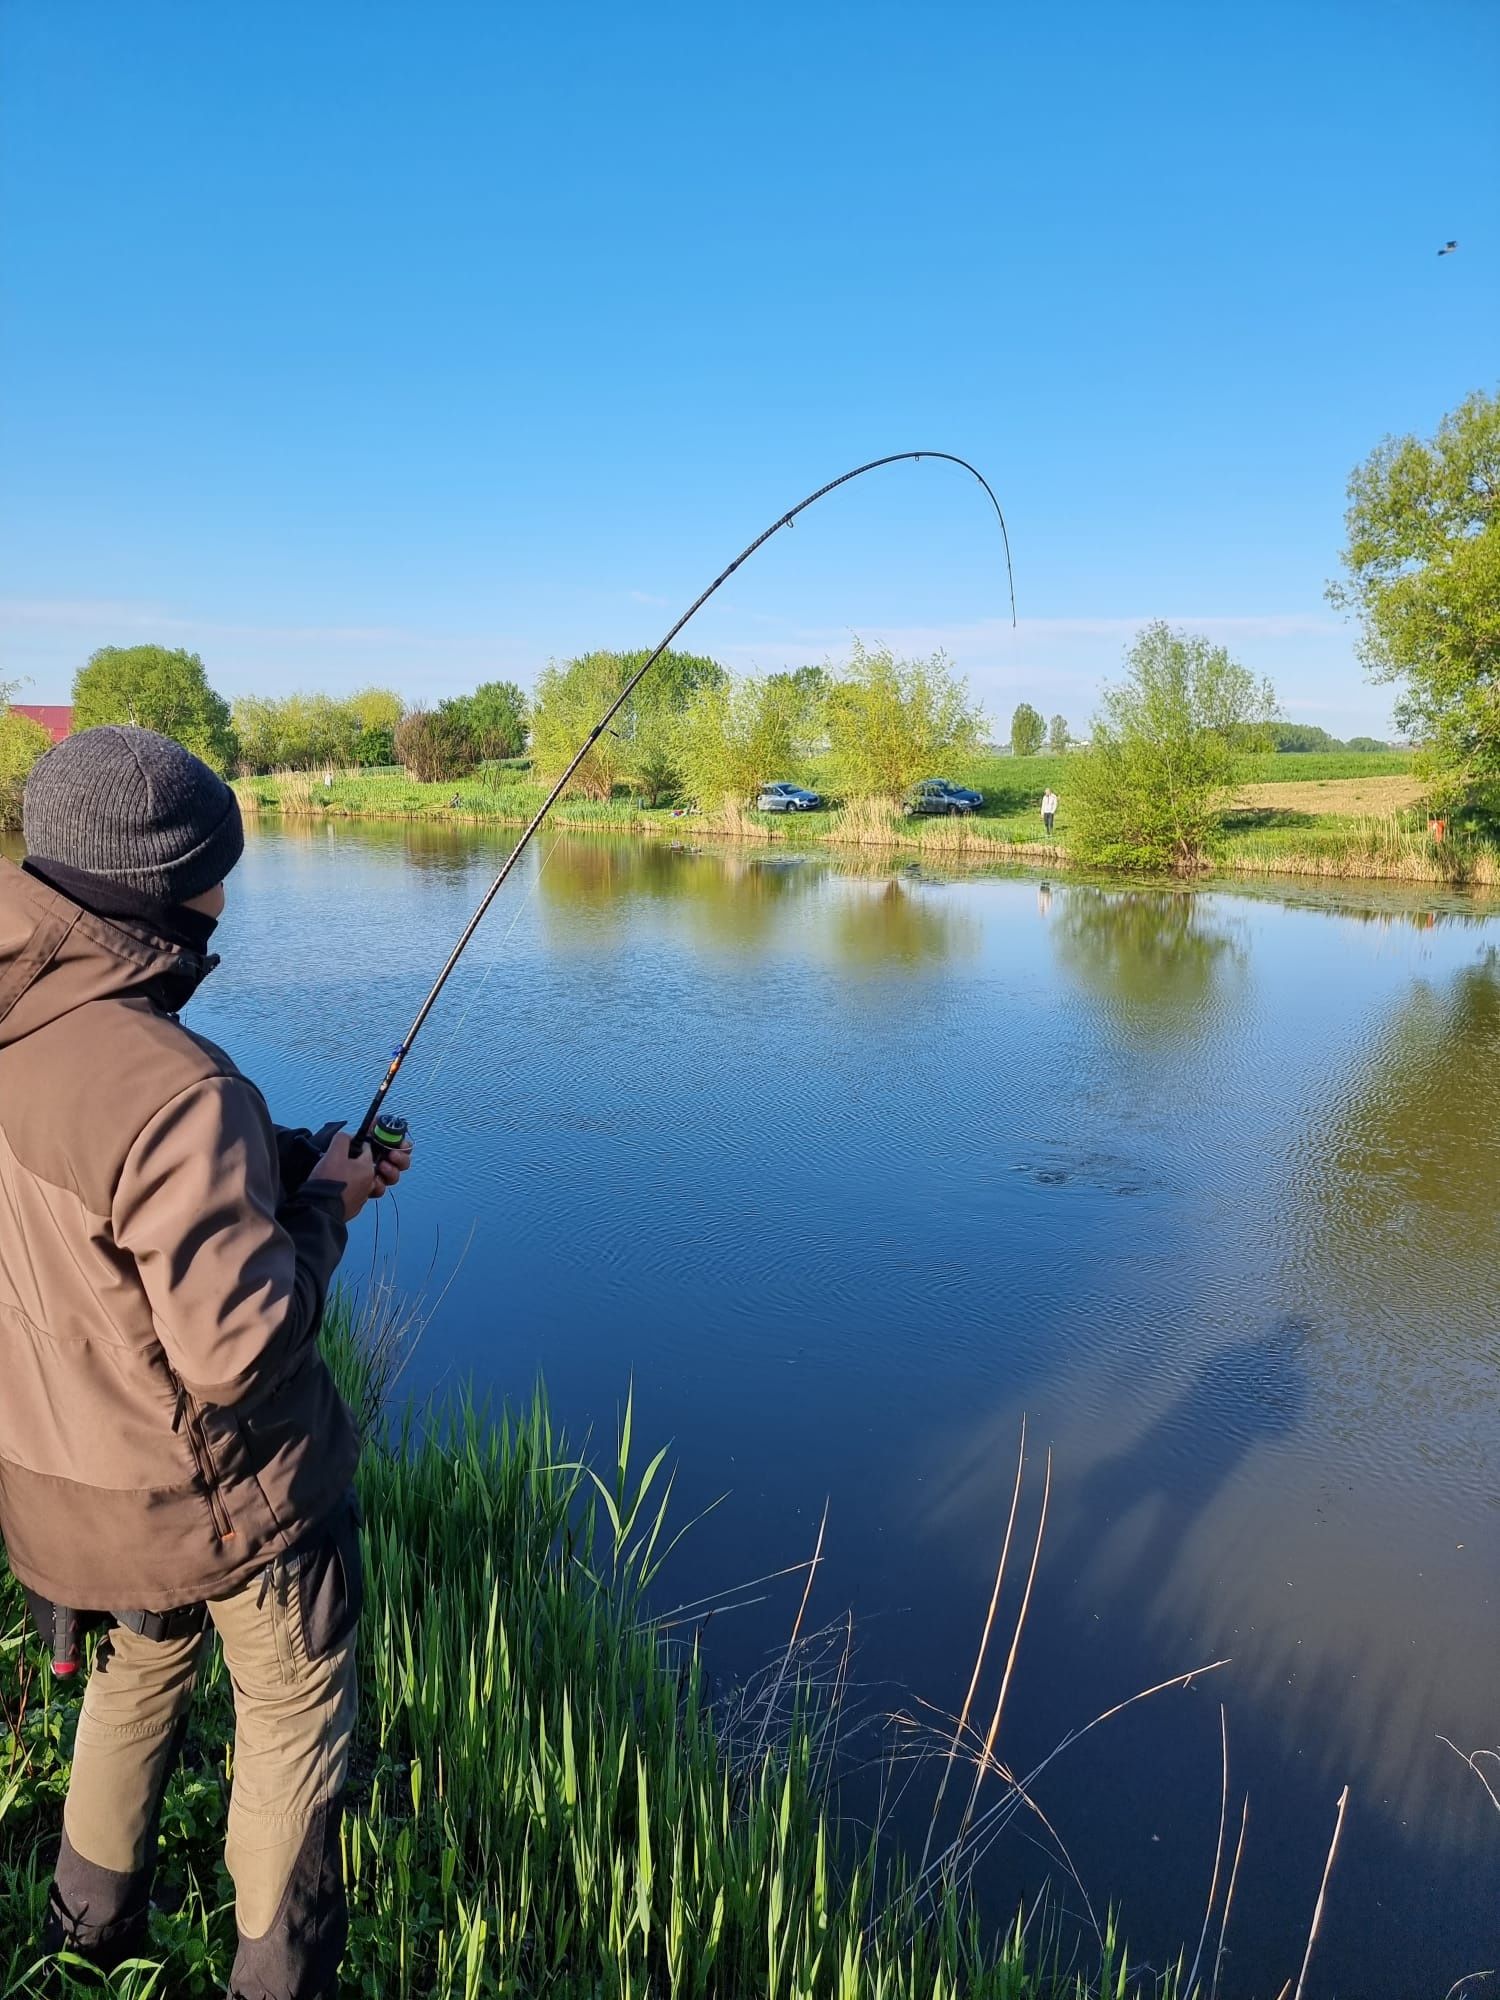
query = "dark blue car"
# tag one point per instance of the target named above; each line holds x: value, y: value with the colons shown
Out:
x: 937, y: 795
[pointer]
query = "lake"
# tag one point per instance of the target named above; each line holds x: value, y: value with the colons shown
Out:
x: 848, y: 1168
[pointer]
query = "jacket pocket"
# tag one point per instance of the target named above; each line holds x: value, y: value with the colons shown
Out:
x: 331, y: 1584
x: 189, y: 1418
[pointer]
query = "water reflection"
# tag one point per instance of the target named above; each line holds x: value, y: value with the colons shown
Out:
x: 878, y: 926
x: 1402, y: 1153
x: 747, y: 903
x: 1141, y: 1499
x: 1160, y: 963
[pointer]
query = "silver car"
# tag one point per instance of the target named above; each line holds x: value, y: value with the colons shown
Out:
x: 787, y: 799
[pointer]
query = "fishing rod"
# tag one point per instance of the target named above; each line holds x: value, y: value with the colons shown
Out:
x: 383, y: 1131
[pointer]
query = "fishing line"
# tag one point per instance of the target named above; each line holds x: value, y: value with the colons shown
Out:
x: 403, y: 1049
x: 521, y: 907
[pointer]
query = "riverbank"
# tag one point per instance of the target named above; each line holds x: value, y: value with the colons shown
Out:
x: 545, y: 1798
x: 1348, y: 816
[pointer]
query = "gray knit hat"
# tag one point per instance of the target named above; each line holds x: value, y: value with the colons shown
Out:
x: 134, y: 808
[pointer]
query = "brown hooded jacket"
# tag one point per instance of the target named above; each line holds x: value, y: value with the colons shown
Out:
x: 167, y: 1423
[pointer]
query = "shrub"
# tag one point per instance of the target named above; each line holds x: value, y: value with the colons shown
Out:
x: 1152, y: 789
x: 433, y: 746
x: 22, y: 741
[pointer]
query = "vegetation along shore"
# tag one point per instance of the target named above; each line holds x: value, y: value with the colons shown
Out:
x: 551, y: 1798
x: 1347, y: 814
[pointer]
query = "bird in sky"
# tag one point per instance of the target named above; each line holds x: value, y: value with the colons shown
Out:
x: 1449, y: 247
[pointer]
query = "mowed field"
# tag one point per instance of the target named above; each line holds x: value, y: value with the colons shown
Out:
x: 1345, y: 798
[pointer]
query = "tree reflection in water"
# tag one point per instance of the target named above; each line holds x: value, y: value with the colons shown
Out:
x: 1396, y: 1220
x: 1159, y: 963
x: 748, y: 901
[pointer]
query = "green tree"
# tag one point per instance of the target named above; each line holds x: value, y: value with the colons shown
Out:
x: 1297, y: 738
x: 738, y: 735
x: 1058, y: 735
x: 377, y: 707
x: 1367, y: 743
x: 808, y: 688
x: 494, y: 716
x: 891, y: 722
x: 433, y: 746
x: 299, y: 732
x: 158, y: 689
x: 638, y: 746
x: 1026, y: 731
x: 1152, y: 789
x: 22, y: 741
x: 1422, y: 574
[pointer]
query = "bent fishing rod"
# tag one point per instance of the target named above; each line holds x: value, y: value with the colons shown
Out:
x: 383, y: 1131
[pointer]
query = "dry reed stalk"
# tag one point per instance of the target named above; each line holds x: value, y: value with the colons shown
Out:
x: 791, y: 1644
x: 867, y: 823
x: 1015, y: 1647
x: 1234, y: 1876
x: 1471, y: 1758
x: 984, y: 1640
x: 1312, y: 1935
x: 736, y: 824
x: 1213, y: 1887
x: 999, y: 1813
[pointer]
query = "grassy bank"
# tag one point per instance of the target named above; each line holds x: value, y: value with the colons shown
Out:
x: 546, y: 1801
x: 1347, y: 814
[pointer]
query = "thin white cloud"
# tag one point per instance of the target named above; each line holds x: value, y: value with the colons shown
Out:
x: 1058, y: 662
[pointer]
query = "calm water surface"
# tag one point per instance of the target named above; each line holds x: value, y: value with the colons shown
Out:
x: 849, y: 1170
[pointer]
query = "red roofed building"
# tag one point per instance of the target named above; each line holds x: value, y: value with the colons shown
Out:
x: 58, y: 722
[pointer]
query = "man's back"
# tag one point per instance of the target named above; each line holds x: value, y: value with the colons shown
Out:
x: 146, y: 1270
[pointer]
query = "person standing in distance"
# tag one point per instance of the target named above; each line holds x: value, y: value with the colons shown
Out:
x: 173, y: 1450
x: 1049, y: 809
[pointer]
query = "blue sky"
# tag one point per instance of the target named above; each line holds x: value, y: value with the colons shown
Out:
x: 421, y: 343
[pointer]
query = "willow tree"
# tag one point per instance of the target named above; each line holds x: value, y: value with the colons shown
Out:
x: 890, y: 722
x: 22, y: 741
x: 1152, y: 789
x: 738, y: 735
x: 639, y: 746
x: 1422, y: 574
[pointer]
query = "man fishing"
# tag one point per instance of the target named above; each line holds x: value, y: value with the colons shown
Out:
x: 173, y: 1451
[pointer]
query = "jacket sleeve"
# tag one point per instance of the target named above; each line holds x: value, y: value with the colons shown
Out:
x: 298, y: 1152
x: 296, y: 1156
x: 236, y: 1274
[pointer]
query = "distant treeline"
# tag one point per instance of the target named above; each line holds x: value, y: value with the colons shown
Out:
x: 303, y: 732
x: 1294, y: 736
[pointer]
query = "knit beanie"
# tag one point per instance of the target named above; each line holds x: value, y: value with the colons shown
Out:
x: 134, y: 808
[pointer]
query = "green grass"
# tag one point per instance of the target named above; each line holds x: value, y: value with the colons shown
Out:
x: 545, y: 1801
x: 1311, y: 767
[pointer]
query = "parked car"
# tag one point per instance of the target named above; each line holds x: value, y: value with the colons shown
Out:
x: 787, y: 799
x: 936, y: 795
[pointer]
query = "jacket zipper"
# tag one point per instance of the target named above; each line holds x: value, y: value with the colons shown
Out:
x: 188, y: 1412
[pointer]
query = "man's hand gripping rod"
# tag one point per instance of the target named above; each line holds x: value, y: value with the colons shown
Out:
x: 383, y: 1132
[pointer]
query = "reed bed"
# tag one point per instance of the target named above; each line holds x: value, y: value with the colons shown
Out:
x: 1387, y: 847
x: 546, y: 1800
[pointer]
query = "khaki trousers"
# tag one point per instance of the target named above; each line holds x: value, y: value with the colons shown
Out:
x: 289, y: 1644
